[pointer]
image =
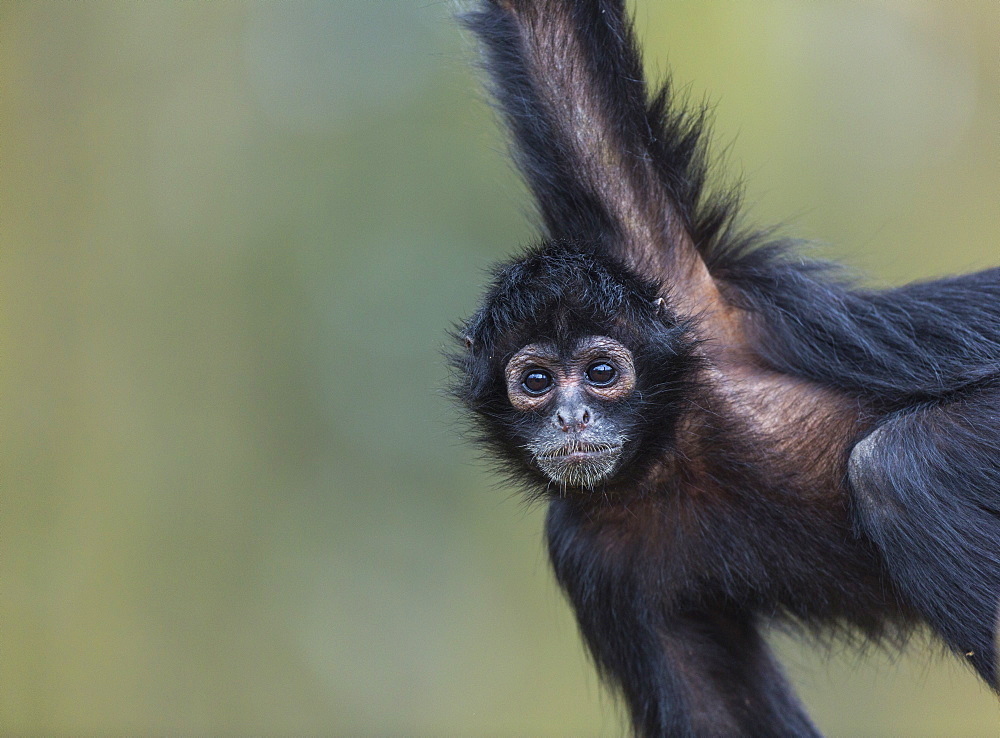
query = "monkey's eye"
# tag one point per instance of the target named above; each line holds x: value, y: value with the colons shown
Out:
x: 536, y: 382
x: 601, y: 373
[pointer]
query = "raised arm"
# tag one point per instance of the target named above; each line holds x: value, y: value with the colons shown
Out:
x: 607, y: 166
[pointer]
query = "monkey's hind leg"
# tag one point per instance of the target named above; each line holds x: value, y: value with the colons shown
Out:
x: 926, y: 488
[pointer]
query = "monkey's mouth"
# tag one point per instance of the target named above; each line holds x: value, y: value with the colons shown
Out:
x: 579, y: 451
x: 578, y: 463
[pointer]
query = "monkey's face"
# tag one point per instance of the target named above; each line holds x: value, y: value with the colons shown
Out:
x: 575, y: 406
x: 575, y: 371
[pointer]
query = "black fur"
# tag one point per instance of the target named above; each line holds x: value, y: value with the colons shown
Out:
x: 920, y: 342
x: 927, y: 486
x: 560, y: 294
x: 802, y: 449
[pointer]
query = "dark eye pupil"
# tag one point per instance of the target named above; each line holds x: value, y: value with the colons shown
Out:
x: 601, y: 373
x: 537, y: 381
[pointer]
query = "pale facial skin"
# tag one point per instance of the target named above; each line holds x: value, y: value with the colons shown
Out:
x: 577, y: 443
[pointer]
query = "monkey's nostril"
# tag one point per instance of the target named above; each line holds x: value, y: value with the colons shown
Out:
x: 572, y: 419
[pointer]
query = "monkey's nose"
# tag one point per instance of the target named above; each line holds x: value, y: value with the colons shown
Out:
x: 572, y: 418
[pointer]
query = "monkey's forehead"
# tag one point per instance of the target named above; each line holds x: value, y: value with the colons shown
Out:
x: 563, y: 326
x: 591, y: 345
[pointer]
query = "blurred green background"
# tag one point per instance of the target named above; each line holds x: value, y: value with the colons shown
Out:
x: 233, y: 498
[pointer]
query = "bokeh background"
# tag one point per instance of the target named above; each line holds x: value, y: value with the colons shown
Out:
x: 233, y: 497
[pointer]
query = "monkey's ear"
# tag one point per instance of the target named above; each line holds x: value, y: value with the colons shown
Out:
x: 606, y: 166
x: 468, y: 342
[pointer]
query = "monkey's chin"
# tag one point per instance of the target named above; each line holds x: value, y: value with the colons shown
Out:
x: 581, y: 466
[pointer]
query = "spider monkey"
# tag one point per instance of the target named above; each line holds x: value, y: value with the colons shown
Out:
x: 724, y: 432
